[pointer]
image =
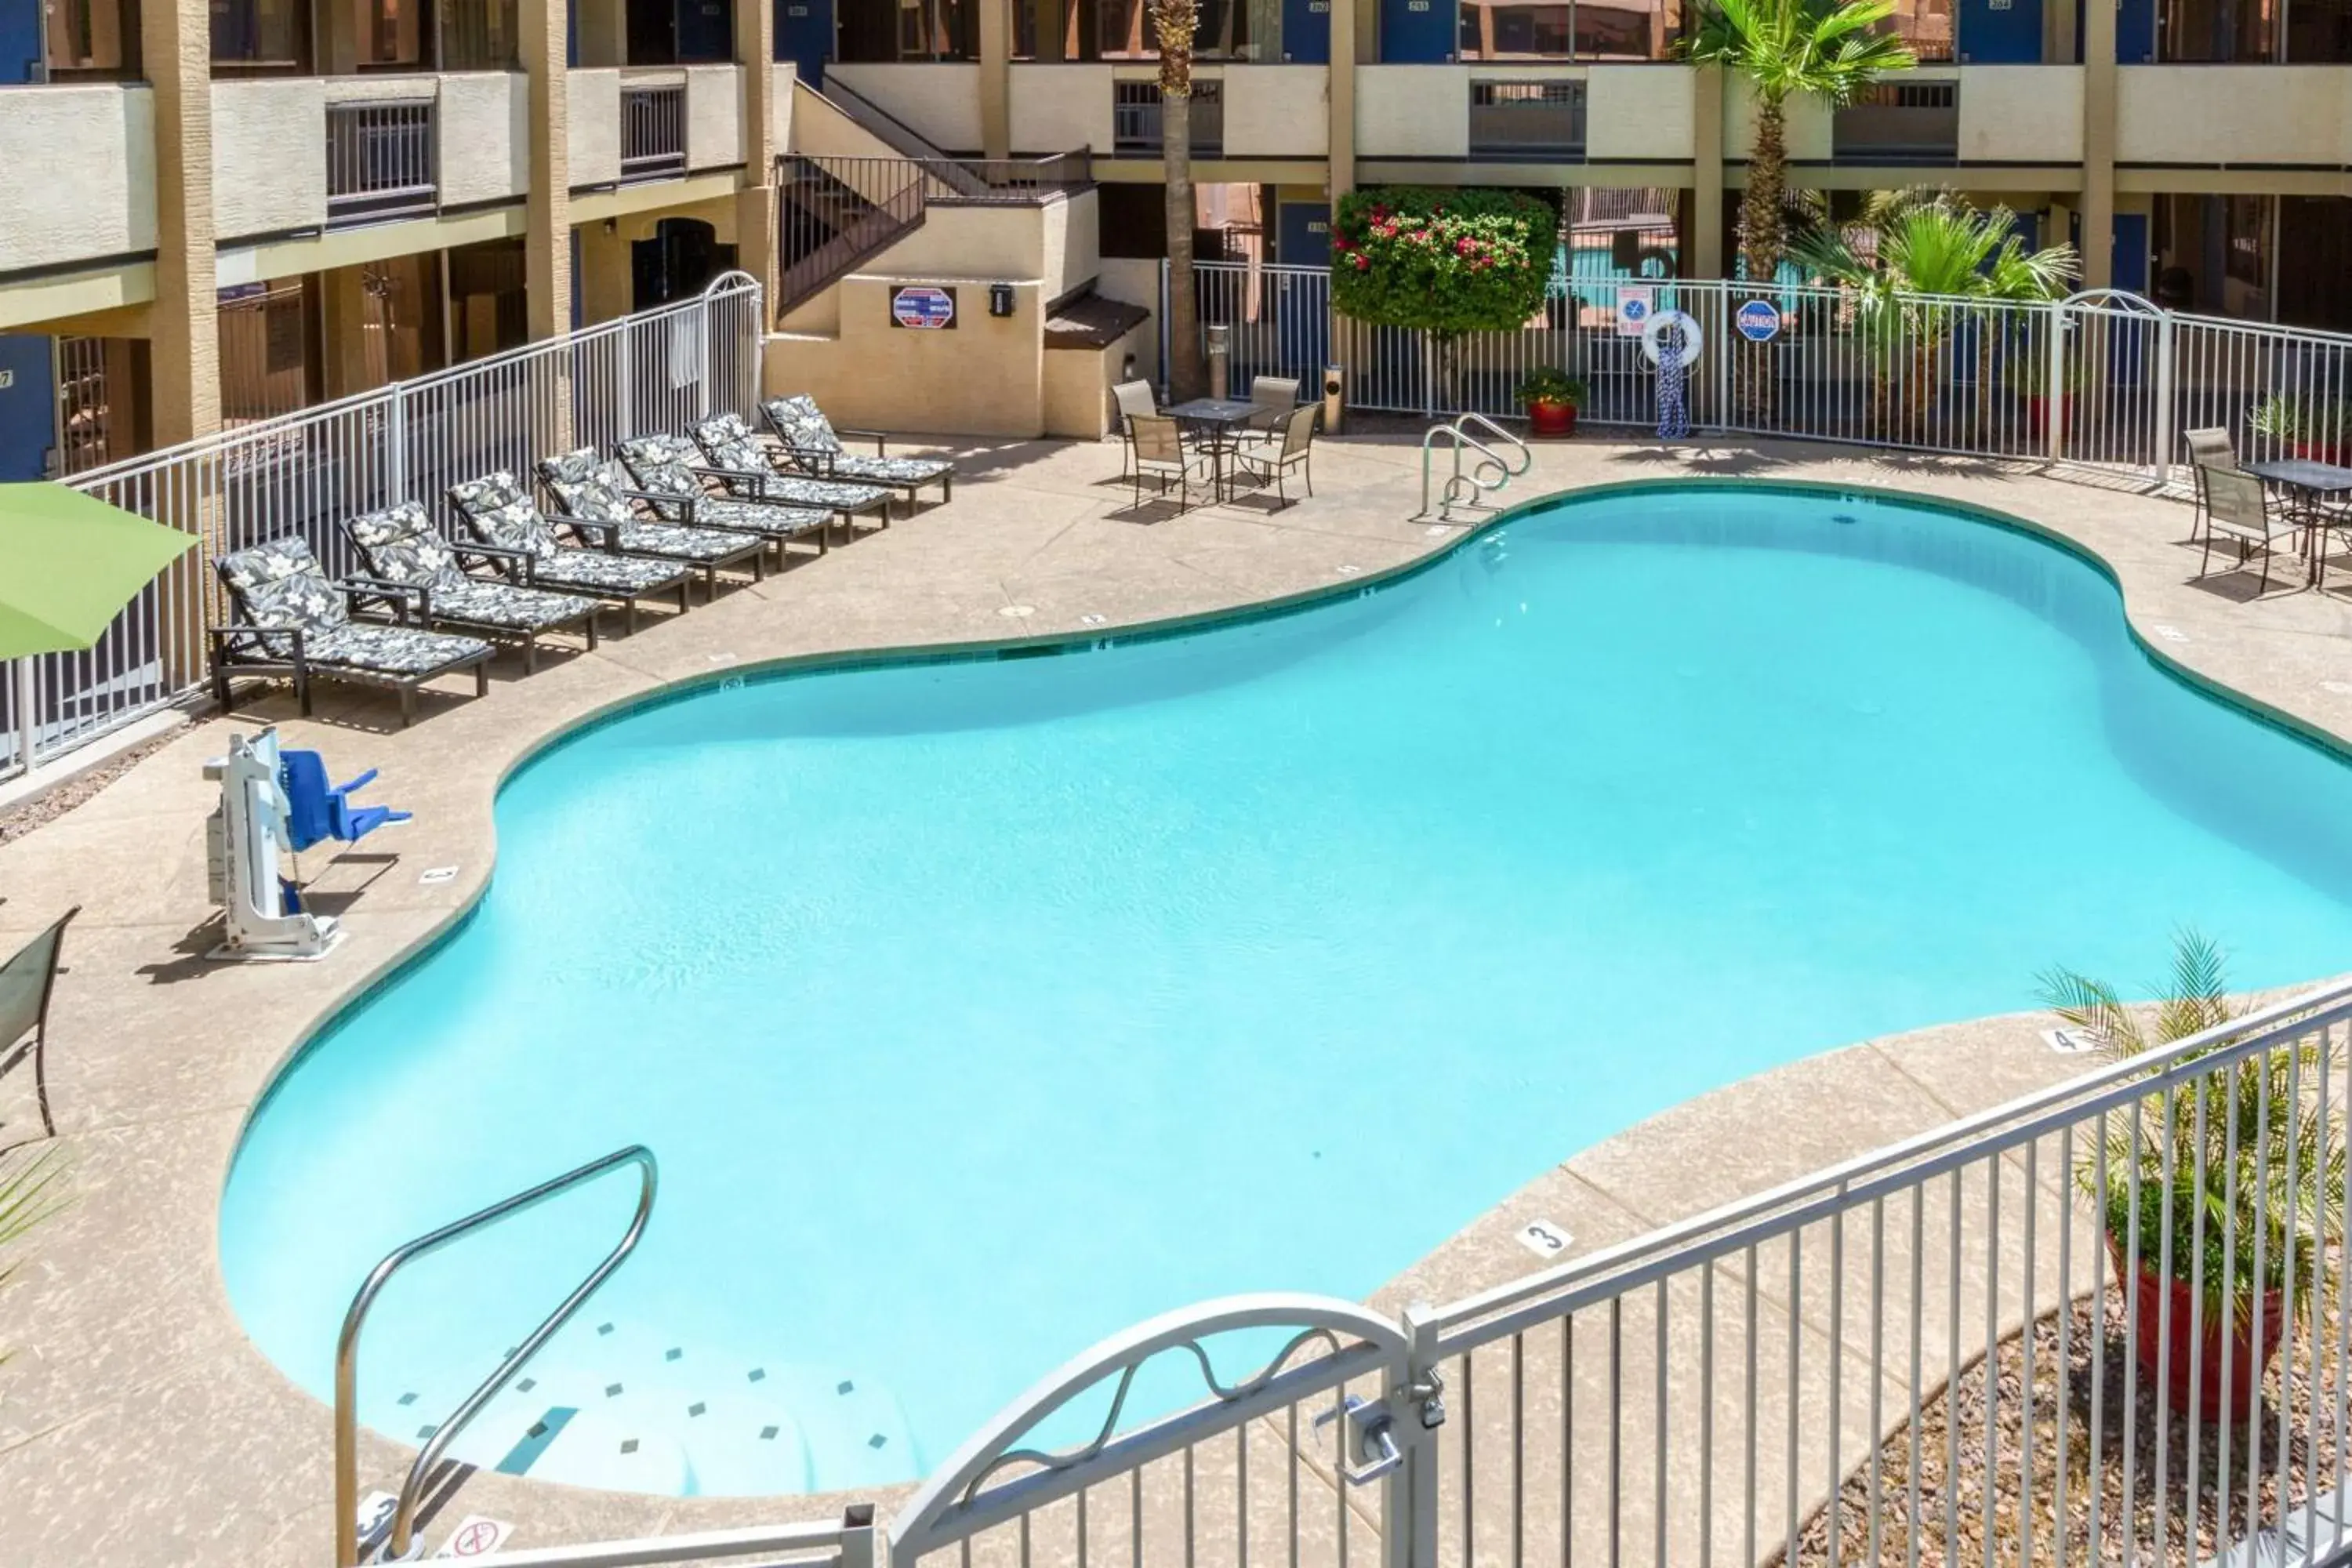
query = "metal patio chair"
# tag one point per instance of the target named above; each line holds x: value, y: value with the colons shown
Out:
x: 26, y: 982
x: 2242, y: 507
x: 2208, y: 449
x: 1274, y: 455
x: 1163, y: 455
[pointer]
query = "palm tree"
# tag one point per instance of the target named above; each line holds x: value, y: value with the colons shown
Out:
x: 27, y: 1198
x: 1927, y: 250
x: 1175, y: 22
x: 1829, y: 50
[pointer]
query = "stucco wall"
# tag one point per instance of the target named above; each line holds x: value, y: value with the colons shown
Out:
x: 780, y: 105
x: 269, y: 156
x: 986, y: 377
x: 2233, y: 114
x: 76, y: 173
x: 1277, y: 111
x: 714, y: 117
x: 1412, y: 111
x: 820, y: 130
x: 595, y: 127
x: 1057, y: 109
x: 971, y: 242
x: 1639, y: 111
x: 940, y: 103
x: 1135, y: 282
x: 1077, y: 383
x: 1071, y: 236
x: 484, y: 136
x: 2021, y: 114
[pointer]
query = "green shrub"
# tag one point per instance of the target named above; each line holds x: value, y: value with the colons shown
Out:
x: 1441, y: 261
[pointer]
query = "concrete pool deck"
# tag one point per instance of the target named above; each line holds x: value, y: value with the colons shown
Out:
x: 139, y: 1426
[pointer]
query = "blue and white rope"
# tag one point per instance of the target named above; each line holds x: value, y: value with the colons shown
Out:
x: 1673, y: 408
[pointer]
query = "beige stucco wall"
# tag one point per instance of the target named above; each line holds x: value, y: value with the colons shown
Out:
x: 1077, y: 382
x: 1412, y: 111
x: 76, y: 173
x: 2233, y: 114
x: 714, y: 117
x: 822, y: 130
x: 1135, y: 282
x: 1277, y: 111
x: 1057, y: 109
x: 484, y: 136
x: 1809, y: 122
x: 780, y: 105
x: 594, y: 127
x: 269, y: 156
x: 986, y: 377
x: 939, y: 102
x: 1638, y: 111
x: 2021, y: 114
x: 971, y: 242
x: 1070, y: 234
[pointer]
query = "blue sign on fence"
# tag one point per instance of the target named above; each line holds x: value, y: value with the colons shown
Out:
x: 1759, y: 320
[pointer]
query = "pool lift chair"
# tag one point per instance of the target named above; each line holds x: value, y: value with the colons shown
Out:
x: 262, y: 914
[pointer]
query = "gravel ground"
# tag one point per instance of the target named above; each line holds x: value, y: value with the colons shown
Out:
x: 20, y: 820
x: 1952, y: 1522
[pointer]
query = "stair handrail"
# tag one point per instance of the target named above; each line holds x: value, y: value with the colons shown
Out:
x: 1492, y: 471
x: 898, y: 136
x: 347, y: 1344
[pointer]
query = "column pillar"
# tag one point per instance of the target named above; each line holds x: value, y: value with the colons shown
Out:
x: 1706, y: 237
x: 1343, y: 156
x: 2098, y: 207
x: 755, y: 201
x: 997, y: 77
x: 547, y: 211
x: 175, y: 40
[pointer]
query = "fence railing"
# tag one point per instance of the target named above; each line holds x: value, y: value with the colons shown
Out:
x: 382, y: 160
x: 831, y: 213
x: 653, y: 132
x: 1136, y: 112
x: 1909, y: 122
x: 305, y: 473
x: 1541, y: 117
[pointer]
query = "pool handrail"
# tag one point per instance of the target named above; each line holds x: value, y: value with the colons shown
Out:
x: 1493, y: 471
x: 347, y: 1344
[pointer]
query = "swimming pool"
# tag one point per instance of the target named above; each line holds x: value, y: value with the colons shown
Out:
x: 977, y: 1010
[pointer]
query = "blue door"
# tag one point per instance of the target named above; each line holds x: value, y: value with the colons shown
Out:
x: 1303, y: 234
x: 705, y: 31
x: 1417, y: 32
x: 28, y: 407
x: 2136, y: 33
x: 1306, y: 32
x: 2131, y: 256
x: 2000, y: 32
x: 20, y: 40
x: 804, y: 37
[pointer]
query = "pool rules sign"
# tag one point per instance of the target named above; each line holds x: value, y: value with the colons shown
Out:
x: 922, y: 307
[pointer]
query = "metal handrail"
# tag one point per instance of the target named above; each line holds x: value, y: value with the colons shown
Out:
x: 347, y: 1345
x: 1494, y: 469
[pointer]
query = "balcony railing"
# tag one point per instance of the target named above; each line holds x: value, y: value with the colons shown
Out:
x: 653, y: 133
x: 379, y: 161
x: 1527, y: 119
x: 1011, y: 182
x: 1901, y: 123
x: 1136, y: 116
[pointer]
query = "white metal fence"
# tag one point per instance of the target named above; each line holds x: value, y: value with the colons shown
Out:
x: 2105, y: 379
x: 305, y: 473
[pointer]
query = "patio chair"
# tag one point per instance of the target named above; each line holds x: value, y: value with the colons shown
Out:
x: 1274, y: 455
x: 2208, y: 449
x: 673, y: 467
x: 1134, y: 399
x: 26, y: 982
x: 292, y: 621
x: 751, y: 469
x: 1160, y: 453
x: 401, y: 545
x: 814, y: 443
x: 2239, y: 505
x: 497, y: 512
x: 601, y: 506
x: 1273, y: 398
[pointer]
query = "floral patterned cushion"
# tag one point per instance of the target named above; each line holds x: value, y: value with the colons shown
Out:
x: 281, y: 585
x: 801, y: 424
x: 664, y: 464
x: 508, y: 604
x: 602, y: 572
x: 732, y: 445
x: 679, y: 543
x: 498, y: 511
x: 393, y: 651
x: 887, y: 470
x: 590, y: 487
x: 400, y: 544
x: 754, y: 517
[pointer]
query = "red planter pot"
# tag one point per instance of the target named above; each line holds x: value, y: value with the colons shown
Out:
x: 2165, y: 1347
x: 2037, y: 412
x: 2321, y: 452
x: 1546, y: 419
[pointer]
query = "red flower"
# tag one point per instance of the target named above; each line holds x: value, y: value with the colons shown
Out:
x: 1364, y: 262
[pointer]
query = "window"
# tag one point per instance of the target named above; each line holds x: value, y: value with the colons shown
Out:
x: 93, y: 38
x: 388, y: 32
x: 1925, y: 25
x: 1580, y: 29
x: 2219, y: 30
x: 937, y: 30
x: 272, y: 33
x: 480, y: 36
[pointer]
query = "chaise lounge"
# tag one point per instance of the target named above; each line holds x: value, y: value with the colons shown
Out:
x: 809, y: 439
x: 671, y: 466
x: 498, y: 512
x: 758, y: 470
x: 401, y: 546
x: 601, y: 506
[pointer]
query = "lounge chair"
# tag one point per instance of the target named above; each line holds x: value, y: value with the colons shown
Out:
x: 1274, y: 454
x: 498, y: 512
x: 672, y: 465
x: 292, y: 621
x: 751, y: 469
x: 601, y: 505
x: 401, y: 545
x: 814, y: 443
x: 2208, y: 449
x: 26, y: 982
x: 1161, y: 455
x: 2240, y: 506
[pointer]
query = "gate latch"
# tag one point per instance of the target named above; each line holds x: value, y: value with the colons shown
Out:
x: 1371, y: 1428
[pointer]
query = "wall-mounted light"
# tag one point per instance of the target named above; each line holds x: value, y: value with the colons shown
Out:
x: 1000, y: 298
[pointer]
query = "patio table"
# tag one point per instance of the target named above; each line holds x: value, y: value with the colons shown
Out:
x: 2320, y: 498
x: 1212, y: 420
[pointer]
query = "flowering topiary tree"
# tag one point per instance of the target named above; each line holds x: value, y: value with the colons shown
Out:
x: 1441, y: 262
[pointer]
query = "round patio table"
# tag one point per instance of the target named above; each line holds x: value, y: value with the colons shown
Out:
x: 1213, y: 421
x: 2318, y: 496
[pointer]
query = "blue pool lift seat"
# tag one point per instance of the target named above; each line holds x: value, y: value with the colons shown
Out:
x: 316, y: 811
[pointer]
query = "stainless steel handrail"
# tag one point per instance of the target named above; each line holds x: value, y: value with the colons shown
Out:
x: 347, y: 1345
x: 1494, y: 469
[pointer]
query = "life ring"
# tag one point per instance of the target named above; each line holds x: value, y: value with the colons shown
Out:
x: 1659, y: 321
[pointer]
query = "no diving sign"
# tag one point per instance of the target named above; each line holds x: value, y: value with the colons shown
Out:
x: 476, y: 1537
x: 922, y: 307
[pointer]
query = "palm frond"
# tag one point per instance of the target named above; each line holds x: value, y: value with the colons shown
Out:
x: 2093, y: 1007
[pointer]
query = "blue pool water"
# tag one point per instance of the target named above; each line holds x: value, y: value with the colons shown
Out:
x: 977, y: 1010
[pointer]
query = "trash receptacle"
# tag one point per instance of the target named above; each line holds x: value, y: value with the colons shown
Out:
x: 1335, y: 395
x: 1221, y: 349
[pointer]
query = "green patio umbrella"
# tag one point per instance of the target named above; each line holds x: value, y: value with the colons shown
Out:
x: 69, y: 562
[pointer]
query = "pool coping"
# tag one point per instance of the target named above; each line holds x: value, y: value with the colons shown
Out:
x: 338, y: 998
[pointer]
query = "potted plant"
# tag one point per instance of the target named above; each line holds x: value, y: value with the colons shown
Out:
x: 2320, y: 432
x: 2239, y: 1167
x: 2028, y: 377
x: 1551, y: 398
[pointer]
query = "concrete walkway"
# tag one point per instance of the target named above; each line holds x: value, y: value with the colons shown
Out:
x: 138, y: 1425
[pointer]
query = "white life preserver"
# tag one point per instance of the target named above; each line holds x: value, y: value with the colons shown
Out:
x: 1659, y: 321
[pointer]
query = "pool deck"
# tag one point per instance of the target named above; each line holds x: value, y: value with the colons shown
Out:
x: 139, y: 1426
